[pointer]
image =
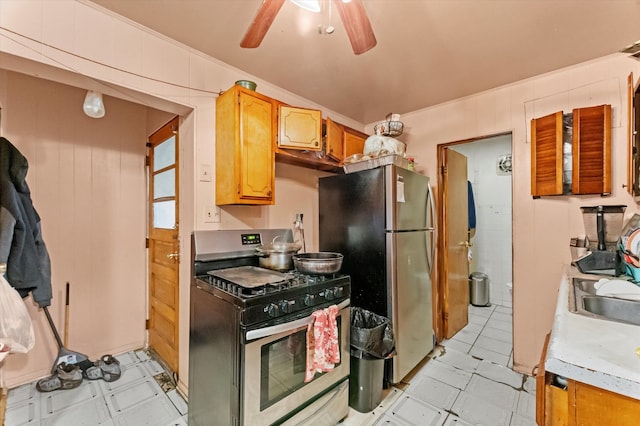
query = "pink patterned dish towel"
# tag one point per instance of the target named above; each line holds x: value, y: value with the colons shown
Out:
x: 323, y: 350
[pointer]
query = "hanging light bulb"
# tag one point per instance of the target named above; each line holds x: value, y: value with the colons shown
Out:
x: 311, y: 5
x: 93, y: 105
x: 330, y: 28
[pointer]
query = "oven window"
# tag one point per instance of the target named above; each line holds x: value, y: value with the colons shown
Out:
x: 283, y: 364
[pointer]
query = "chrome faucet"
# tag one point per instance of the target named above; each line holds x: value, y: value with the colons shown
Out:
x: 298, y: 231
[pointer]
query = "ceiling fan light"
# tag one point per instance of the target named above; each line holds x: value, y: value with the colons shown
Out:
x: 310, y: 5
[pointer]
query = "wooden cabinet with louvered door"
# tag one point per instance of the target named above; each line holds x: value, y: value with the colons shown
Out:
x: 591, y: 150
x: 245, y: 160
x: 633, y: 136
x: 546, y: 155
x: 571, y: 154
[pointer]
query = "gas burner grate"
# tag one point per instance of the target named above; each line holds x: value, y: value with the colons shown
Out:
x: 290, y: 282
x: 313, y: 279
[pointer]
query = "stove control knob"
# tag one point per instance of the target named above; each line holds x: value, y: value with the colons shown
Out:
x: 309, y: 299
x: 286, y: 306
x: 328, y: 294
x: 272, y: 310
x: 338, y: 291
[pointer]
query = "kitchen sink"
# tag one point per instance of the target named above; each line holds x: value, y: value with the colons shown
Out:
x: 583, y: 300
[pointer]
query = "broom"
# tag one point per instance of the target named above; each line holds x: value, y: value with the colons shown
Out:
x: 64, y: 354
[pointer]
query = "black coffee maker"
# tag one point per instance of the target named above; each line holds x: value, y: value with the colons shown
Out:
x: 603, y: 225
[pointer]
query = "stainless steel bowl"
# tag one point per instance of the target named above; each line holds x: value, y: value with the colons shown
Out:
x: 321, y: 263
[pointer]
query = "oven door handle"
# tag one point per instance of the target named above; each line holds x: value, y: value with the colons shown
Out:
x: 288, y: 326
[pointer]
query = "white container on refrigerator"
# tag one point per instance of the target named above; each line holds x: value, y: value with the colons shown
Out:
x: 381, y: 220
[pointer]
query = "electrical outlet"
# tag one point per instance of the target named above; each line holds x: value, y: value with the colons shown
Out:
x: 212, y: 214
x: 205, y: 173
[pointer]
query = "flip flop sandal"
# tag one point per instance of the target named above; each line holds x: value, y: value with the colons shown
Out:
x: 106, y: 368
x: 67, y: 376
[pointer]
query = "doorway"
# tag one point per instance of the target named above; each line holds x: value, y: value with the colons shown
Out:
x: 488, y: 162
x: 164, y: 244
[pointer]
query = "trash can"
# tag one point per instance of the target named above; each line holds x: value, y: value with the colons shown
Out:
x: 479, y: 289
x: 372, y: 342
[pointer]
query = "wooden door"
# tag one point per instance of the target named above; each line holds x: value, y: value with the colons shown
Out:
x: 455, y: 302
x: 546, y: 155
x: 164, y: 254
x: 591, y: 151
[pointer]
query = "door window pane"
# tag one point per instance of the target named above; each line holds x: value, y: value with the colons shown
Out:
x: 164, y: 184
x: 164, y: 214
x: 164, y: 155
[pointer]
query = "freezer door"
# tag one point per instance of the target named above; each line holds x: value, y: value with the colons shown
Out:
x: 411, y: 299
x: 407, y: 200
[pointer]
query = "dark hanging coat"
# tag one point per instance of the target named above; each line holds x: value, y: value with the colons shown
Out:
x: 21, y: 245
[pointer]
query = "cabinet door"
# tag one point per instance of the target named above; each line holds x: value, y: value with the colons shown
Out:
x: 540, y: 383
x: 256, y: 148
x: 591, y: 150
x: 546, y: 155
x: 595, y: 406
x: 633, y: 135
x: 353, y: 142
x: 335, y: 140
x: 552, y: 402
x: 299, y: 128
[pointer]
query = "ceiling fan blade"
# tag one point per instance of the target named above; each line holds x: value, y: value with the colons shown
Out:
x: 261, y: 23
x: 356, y: 23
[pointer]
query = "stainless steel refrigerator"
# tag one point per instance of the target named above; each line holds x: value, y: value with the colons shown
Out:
x: 382, y: 221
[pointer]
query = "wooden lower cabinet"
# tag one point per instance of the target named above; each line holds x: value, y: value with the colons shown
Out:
x: 595, y: 406
x: 579, y: 403
x: 552, y: 401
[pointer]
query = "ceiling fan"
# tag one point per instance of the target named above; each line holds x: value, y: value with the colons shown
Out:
x: 352, y: 13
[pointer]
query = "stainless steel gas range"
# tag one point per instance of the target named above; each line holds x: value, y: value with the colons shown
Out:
x: 247, y: 339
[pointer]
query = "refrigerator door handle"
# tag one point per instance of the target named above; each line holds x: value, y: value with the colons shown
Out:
x: 431, y: 212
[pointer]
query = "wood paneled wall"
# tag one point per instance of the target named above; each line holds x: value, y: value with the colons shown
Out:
x: 88, y: 184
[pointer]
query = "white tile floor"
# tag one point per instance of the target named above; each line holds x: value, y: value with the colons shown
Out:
x: 143, y: 395
x: 468, y: 380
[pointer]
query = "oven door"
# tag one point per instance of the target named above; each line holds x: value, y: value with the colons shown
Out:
x: 274, y: 371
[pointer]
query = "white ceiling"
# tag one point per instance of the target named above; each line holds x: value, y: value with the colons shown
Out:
x: 428, y: 51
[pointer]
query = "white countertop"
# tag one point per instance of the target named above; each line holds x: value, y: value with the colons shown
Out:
x: 597, y: 352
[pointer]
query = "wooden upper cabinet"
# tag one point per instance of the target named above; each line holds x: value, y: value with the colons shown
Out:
x: 591, y: 150
x: 546, y: 155
x: 245, y: 161
x: 633, y: 136
x: 335, y: 140
x: 353, y: 142
x: 299, y: 128
x: 571, y: 154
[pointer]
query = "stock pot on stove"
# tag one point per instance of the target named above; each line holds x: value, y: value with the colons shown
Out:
x: 277, y: 255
